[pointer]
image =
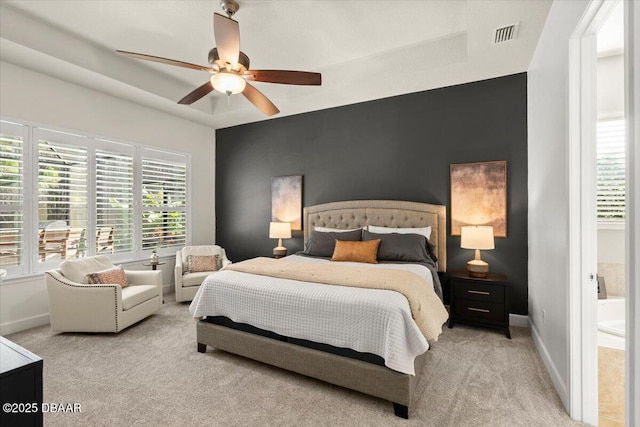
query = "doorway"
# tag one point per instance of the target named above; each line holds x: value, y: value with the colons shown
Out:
x: 610, y: 217
x: 583, y: 234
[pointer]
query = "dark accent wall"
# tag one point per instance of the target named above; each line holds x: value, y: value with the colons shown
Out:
x: 396, y: 148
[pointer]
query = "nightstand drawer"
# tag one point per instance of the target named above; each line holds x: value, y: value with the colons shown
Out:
x: 479, y: 292
x: 479, y: 310
x: 479, y: 301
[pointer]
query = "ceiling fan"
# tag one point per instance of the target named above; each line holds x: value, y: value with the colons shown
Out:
x: 230, y: 67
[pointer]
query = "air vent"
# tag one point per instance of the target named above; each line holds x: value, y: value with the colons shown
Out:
x: 504, y: 34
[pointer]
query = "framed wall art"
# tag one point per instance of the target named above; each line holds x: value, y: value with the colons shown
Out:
x: 479, y: 196
x: 286, y: 200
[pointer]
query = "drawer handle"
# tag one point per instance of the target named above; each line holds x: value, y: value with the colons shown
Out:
x: 481, y: 310
x: 478, y: 292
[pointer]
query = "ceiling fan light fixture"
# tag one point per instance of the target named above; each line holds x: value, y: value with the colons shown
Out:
x: 230, y: 67
x: 229, y: 83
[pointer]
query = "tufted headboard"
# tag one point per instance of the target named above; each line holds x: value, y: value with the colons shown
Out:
x: 384, y: 213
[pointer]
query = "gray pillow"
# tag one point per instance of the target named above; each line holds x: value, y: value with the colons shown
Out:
x: 323, y: 243
x: 400, y: 247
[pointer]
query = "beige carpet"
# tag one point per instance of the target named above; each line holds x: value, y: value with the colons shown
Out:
x: 151, y: 375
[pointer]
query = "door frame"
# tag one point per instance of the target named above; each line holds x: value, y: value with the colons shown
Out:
x: 632, y: 266
x: 582, y: 301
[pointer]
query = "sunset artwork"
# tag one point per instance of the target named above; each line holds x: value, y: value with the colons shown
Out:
x: 286, y: 200
x: 479, y: 196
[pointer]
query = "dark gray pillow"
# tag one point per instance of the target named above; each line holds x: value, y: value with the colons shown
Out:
x: 400, y: 247
x: 323, y: 243
x: 431, y: 250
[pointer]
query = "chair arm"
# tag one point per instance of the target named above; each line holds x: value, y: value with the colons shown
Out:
x: 135, y: 277
x: 76, y: 307
x: 145, y: 278
x: 178, y: 269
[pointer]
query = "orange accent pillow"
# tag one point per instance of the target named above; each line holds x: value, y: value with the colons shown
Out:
x: 113, y: 276
x: 356, y: 251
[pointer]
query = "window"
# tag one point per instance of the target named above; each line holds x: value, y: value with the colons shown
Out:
x: 164, y: 194
x: 611, y: 170
x: 114, y: 202
x: 91, y: 196
x: 62, y: 200
x: 11, y: 196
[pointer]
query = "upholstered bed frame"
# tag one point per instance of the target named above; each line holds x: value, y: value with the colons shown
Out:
x: 383, y: 213
x: 358, y: 375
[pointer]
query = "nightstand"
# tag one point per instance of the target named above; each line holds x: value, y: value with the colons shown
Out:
x: 480, y: 302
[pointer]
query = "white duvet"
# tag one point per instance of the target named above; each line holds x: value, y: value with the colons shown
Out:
x: 366, y: 320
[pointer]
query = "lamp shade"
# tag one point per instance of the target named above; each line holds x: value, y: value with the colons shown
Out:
x: 280, y: 230
x: 476, y: 237
x: 227, y: 82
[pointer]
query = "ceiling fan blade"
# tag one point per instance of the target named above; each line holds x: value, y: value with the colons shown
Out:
x: 197, y: 93
x: 285, y: 77
x: 227, y: 35
x: 259, y: 100
x: 165, y: 61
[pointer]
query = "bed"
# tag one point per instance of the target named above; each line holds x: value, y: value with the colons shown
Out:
x: 356, y: 369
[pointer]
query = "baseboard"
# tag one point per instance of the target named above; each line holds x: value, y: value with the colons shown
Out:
x: 561, y: 387
x: 518, y: 320
x: 168, y: 288
x: 24, y: 324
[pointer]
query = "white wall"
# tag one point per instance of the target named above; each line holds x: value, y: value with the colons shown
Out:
x: 32, y: 96
x: 611, y: 86
x: 611, y: 245
x: 549, y: 191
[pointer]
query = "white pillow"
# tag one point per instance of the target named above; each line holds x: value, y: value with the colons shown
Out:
x: 76, y: 270
x: 423, y: 231
x: 334, y: 230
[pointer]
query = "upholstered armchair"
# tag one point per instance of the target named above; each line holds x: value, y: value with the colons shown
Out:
x: 76, y: 306
x: 193, y: 266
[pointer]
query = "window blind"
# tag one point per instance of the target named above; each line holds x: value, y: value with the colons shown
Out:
x: 114, y: 202
x: 62, y: 199
x: 164, y: 194
x: 611, y: 170
x: 11, y: 196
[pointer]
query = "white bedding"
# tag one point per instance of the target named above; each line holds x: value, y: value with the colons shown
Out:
x: 366, y: 320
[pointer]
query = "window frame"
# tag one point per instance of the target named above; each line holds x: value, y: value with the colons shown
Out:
x: 155, y: 154
x: 123, y: 149
x: 32, y: 133
x: 61, y: 138
x: 17, y: 128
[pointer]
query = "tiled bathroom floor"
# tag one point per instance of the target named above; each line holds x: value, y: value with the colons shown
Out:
x: 611, y: 387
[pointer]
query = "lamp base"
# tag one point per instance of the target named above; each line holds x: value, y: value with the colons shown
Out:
x: 279, y: 251
x: 477, y: 268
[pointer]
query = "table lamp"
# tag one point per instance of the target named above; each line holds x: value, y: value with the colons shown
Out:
x: 280, y: 230
x: 477, y: 237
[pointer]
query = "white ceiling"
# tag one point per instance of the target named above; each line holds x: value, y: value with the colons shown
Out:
x: 364, y: 49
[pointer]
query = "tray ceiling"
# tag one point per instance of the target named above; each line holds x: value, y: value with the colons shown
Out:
x: 364, y: 49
